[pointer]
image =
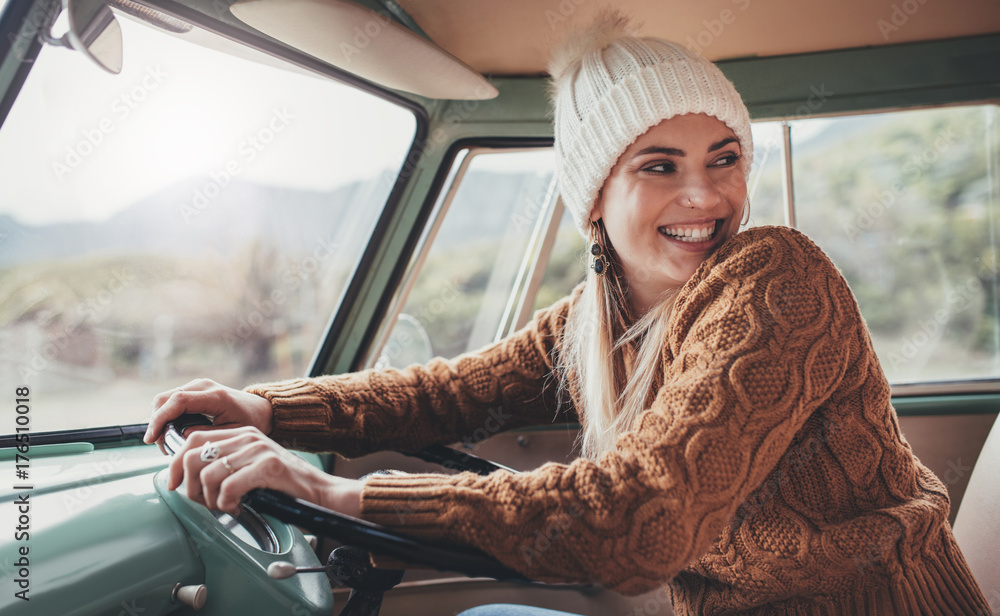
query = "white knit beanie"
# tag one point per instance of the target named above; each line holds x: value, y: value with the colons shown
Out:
x: 609, y: 87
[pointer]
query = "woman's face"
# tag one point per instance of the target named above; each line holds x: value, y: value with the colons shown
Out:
x: 674, y: 196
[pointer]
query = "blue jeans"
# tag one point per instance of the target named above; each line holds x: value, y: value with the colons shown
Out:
x: 509, y: 609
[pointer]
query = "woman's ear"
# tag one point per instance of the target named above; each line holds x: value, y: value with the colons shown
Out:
x: 597, y: 211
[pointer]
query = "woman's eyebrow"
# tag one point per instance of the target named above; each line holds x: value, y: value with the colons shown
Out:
x: 656, y: 149
x: 719, y: 144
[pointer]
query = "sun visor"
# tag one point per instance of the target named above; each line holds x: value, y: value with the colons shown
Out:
x: 371, y: 45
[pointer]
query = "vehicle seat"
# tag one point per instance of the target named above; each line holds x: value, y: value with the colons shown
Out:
x: 977, y: 525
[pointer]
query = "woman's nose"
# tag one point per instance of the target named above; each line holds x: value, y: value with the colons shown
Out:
x: 698, y: 191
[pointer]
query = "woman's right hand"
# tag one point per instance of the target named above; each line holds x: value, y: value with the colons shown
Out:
x: 228, y: 408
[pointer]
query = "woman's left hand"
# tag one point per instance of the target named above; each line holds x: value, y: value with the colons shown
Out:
x: 218, y: 467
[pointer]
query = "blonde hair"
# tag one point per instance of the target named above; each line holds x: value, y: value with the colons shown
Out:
x: 610, y: 361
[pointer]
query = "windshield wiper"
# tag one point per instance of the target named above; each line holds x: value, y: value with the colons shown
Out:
x: 110, y: 434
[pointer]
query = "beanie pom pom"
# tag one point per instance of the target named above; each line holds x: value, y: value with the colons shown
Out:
x: 611, y: 24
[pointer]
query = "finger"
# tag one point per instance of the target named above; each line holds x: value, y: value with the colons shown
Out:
x: 194, y: 463
x: 188, y: 463
x: 173, y: 403
x: 263, y: 471
x: 212, y: 476
x: 172, y: 407
x: 199, y: 385
x: 231, y: 438
x: 177, y: 470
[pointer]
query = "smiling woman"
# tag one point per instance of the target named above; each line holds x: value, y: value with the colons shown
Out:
x: 738, y: 440
x: 698, y: 414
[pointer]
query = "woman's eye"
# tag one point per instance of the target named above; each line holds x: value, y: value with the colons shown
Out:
x: 727, y: 160
x: 659, y: 168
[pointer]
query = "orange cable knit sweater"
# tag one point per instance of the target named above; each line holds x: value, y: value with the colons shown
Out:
x: 768, y: 477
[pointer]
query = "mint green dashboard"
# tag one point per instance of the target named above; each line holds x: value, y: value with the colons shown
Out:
x: 105, y: 536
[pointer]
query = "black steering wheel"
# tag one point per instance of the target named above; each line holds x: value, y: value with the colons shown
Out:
x: 354, y: 568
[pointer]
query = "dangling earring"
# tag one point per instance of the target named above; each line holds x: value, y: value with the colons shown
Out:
x: 600, y: 264
x: 746, y: 213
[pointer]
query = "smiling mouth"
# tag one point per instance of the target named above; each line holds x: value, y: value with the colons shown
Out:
x: 691, y: 233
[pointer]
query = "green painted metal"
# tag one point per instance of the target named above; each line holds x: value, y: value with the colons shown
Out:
x: 18, y: 43
x: 851, y: 80
x: 236, y: 573
x: 974, y: 404
x: 104, y: 536
x: 99, y: 539
x: 37, y: 451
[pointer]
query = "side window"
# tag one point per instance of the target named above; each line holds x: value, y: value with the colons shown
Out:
x: 466, y: 284
x: 765, y: 186
x: 906, y: 204
x: 566, y: 266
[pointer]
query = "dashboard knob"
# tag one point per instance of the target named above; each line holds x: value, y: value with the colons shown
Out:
x: 193, y: 596
x: 281, y: 570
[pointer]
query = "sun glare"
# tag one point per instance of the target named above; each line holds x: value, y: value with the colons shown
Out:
x: 182, y: 140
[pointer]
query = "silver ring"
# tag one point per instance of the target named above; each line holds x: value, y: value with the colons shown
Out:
x: 225, y: 462
x: 209, y: 452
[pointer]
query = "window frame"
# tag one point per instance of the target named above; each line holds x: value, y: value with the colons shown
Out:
x: 419, y: 242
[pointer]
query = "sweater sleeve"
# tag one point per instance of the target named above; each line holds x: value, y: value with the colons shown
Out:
x: 760, y: 336
x: 504, y: 386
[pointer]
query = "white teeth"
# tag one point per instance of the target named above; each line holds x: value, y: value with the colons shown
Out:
x: 690, y: 234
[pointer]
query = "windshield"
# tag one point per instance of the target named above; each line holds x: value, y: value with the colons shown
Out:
x: 197, y: 215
